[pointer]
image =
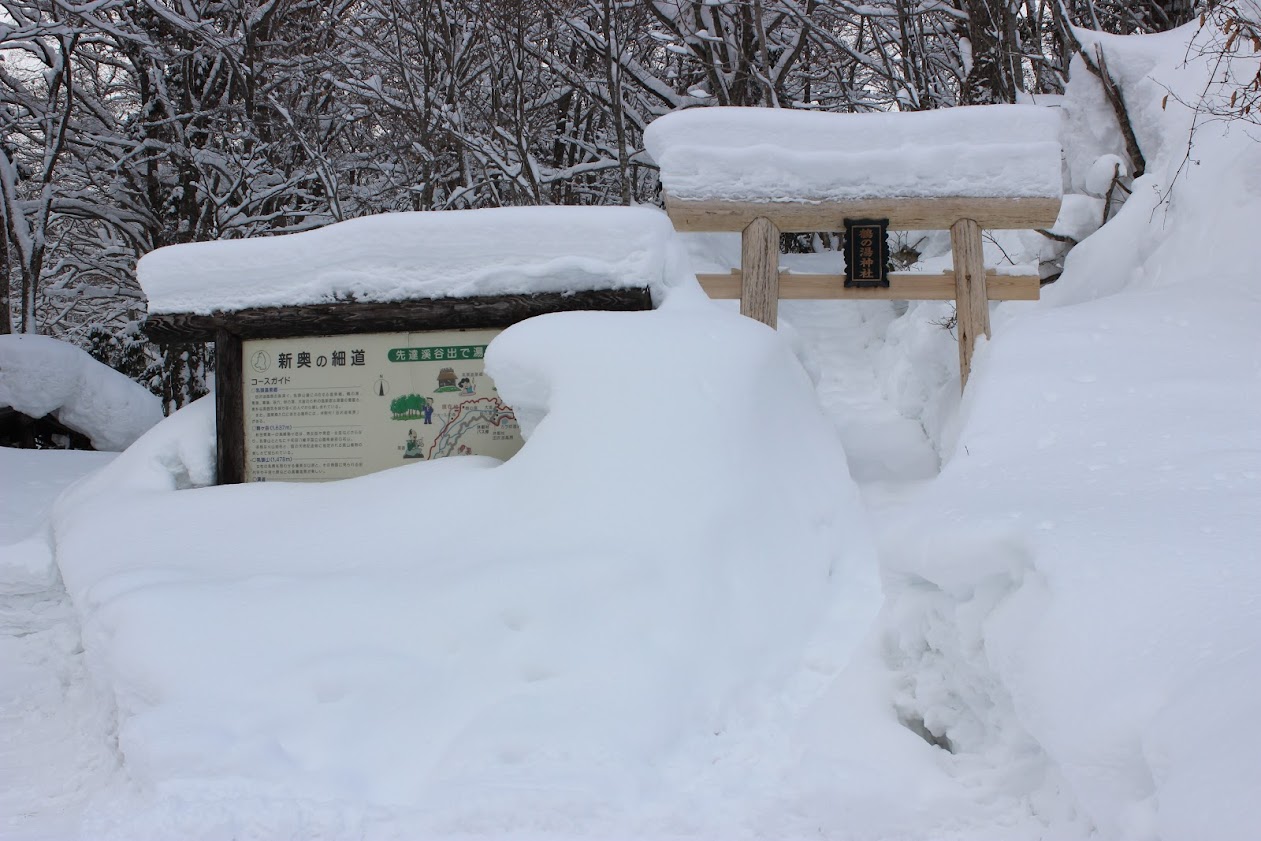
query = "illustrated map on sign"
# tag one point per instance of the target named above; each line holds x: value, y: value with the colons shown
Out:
x: 332, y: 407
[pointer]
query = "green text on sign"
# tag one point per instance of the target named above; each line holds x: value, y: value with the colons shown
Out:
x: 441, y: 354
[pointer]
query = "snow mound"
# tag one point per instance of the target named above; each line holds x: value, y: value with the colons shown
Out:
x: 1087, y: 568
x: 539, y: 644
x: 177, y: 454
x: 41, y: 375
x: 428, y: 254
x: 1100, y: 176
x: 767, y: 155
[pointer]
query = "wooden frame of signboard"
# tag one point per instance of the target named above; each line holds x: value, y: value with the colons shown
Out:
x: 228, y: 330
x: 759, y: 283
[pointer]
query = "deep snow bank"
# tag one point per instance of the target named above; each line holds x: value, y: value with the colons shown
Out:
x: 41, y: 375
x: 572, y: 640
x: 1083, y: 578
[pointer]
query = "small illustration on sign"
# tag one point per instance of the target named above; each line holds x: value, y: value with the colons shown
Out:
x: 260, y: 361
x: 410, y: 407
x: 415, y: 447
x: 446, y: 381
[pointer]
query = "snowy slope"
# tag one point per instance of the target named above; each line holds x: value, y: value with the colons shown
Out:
x: 1090, y: 557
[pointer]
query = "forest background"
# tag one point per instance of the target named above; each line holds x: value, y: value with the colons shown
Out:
x: 128, y: 125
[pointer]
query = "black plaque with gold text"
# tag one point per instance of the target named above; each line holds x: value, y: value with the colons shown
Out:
x: 866, y: 252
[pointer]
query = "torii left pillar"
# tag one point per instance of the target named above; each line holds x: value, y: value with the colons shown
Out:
x: 759, y: 257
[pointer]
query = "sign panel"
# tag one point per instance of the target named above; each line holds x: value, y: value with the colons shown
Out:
x: 866, y: 252
x: 333, y: 407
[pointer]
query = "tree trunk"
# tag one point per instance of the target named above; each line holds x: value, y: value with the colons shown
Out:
x: 6, y: 323
x: 612, y: 66
x: 994, y: 75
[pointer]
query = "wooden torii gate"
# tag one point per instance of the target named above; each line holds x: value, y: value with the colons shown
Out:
x: 1029, y: 150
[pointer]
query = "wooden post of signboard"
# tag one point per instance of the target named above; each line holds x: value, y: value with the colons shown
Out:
x: 972, y: 312
x: 759, y: 297
x: 229, y: 408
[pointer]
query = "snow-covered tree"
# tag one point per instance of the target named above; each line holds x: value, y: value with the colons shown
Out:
x: 128, y: 125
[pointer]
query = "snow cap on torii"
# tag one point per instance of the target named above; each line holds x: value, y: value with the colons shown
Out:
x: 806, y: 170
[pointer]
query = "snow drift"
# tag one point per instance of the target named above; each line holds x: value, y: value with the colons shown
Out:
x: 1082, y: 579
x: 571, y: 639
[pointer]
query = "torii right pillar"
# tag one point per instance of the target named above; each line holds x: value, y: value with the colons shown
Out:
x: 972, y: 311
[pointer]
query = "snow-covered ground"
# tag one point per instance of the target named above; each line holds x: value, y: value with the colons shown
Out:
x: 661, y: 619
x: 55, y: 748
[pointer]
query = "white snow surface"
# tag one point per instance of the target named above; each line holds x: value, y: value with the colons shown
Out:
x: 425, y: 254
x: 775, y: 155
x: 1102, y: 172
x: 26, y: 558
x: 656, y: 621
x: 1084, y: 576
x: 583, y: 638
x: 40, y: 375
x: 54, y: 722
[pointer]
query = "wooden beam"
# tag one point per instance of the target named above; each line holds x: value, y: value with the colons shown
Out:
x: 903, y: 286
x: 904, y: 214
x: 349, y: 317
x: 972, y: 310
x: 759, y: 282
x: 229, y: 408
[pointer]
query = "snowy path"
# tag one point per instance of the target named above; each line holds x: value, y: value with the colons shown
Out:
x: 52, y: 752
x: 843, y: 337
x: 53, y: 749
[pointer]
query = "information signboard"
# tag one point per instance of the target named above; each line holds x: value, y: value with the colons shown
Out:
x: 333, y: 407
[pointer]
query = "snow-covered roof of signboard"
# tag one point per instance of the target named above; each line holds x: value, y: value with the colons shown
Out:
x: 401, y: 256
x: 751, y: 155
